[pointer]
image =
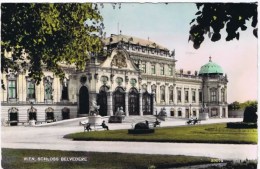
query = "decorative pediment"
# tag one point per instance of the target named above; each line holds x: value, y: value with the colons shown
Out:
x: 49, y: 109
x: 32, y: 109
x: 119, y: 60
x: 13, y: 110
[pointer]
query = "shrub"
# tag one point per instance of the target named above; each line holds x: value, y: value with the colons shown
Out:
x: 241, y: 125
x: 250, y: 115
x: 141, y: 126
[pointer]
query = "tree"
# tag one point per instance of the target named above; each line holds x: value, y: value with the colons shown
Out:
x: 44, y: 35
x: 234, y: 106
x: 213, y: 17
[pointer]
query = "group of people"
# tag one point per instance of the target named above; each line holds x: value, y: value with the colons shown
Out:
x: 156, y: 123
x: 88, y: 126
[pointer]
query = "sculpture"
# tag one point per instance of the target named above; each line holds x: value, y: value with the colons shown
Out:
x: 94, y: 108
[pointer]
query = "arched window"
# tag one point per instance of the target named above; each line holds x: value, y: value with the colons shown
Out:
x: 49, y: 114
x: 13, y: 116
x: 12, y: 87
x: 64, y: 92
x: 162, y: 90
x: 30, y: 89
x: 119, y: 99
x: 119, y: 81
x: 133, y: 101
x: 213, y: 95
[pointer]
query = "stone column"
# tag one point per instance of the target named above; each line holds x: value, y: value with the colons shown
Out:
x: 220, y: 111
x: 174, y: 95
x: 219, y: 94
x: 140, y: 103
x: 166, y: 92
x: 154, y: 106
x: 110, y: 103
x: 126, y: 104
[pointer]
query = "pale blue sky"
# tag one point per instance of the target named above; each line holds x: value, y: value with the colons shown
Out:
x: 168, y: 25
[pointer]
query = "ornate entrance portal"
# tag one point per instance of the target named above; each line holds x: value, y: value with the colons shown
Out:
x: 83, y: 101
x: 133, y: 102
x: 119, y: 99
x: 102, y: 100
x: 147, y: 103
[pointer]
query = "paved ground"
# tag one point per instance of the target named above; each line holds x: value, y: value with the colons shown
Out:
x: 51, y: 137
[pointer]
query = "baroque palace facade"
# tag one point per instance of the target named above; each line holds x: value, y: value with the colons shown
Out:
x: 138, y: 75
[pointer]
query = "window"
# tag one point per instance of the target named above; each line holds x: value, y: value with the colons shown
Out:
x: 153, y: 69
x: 186, y: 96
x: 30, y: 89
x: 104, y: 79
x: 171, y: 95
x: 162, y: 70
x: 162, y: 93
x: 170, y: 71
x: 133, y: 82
x: 213, y: 95
x: 193, y: 96
x: 119, y: 80
x: 179, y: 113
x: 12, y: 89
x: 64, y: 92
x: 143, y: 68
x: 179, y: 95
x: 200, y: 96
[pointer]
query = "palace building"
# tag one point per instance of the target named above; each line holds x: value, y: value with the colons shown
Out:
x: 138, y: 75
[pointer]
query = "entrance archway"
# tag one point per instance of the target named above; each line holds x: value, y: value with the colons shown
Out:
x: 172, y: 112
x: 65, y: 112
x: 102, y: 100
x: 147, y: 103
x: 32, y: 114
x: 118, y: 99
x: 83, y: 101
x: 13, y: 116
x: 133, y: 102
x: 49, y: 115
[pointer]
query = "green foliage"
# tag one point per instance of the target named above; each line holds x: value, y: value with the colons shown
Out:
x: 42, y: 35
x: 210, y: 133
x: 234, y: 106
x: 248, y: 103
x: 241, y: 125
x: 213, y: 17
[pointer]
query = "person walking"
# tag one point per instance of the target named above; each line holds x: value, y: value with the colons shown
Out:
x: 88, y: 128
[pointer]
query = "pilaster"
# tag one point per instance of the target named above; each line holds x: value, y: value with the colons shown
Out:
x: 126, y: 104
x: 140, y: 103
x: 109, y: 104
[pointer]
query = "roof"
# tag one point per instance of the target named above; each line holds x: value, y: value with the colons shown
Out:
x: 133, y: 40
x: 210, y: 68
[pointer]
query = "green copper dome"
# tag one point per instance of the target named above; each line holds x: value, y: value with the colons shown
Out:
x: 210, y: 68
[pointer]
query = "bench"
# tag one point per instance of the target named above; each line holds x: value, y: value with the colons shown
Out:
x: 193, y: 121
x: 93, y: 126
